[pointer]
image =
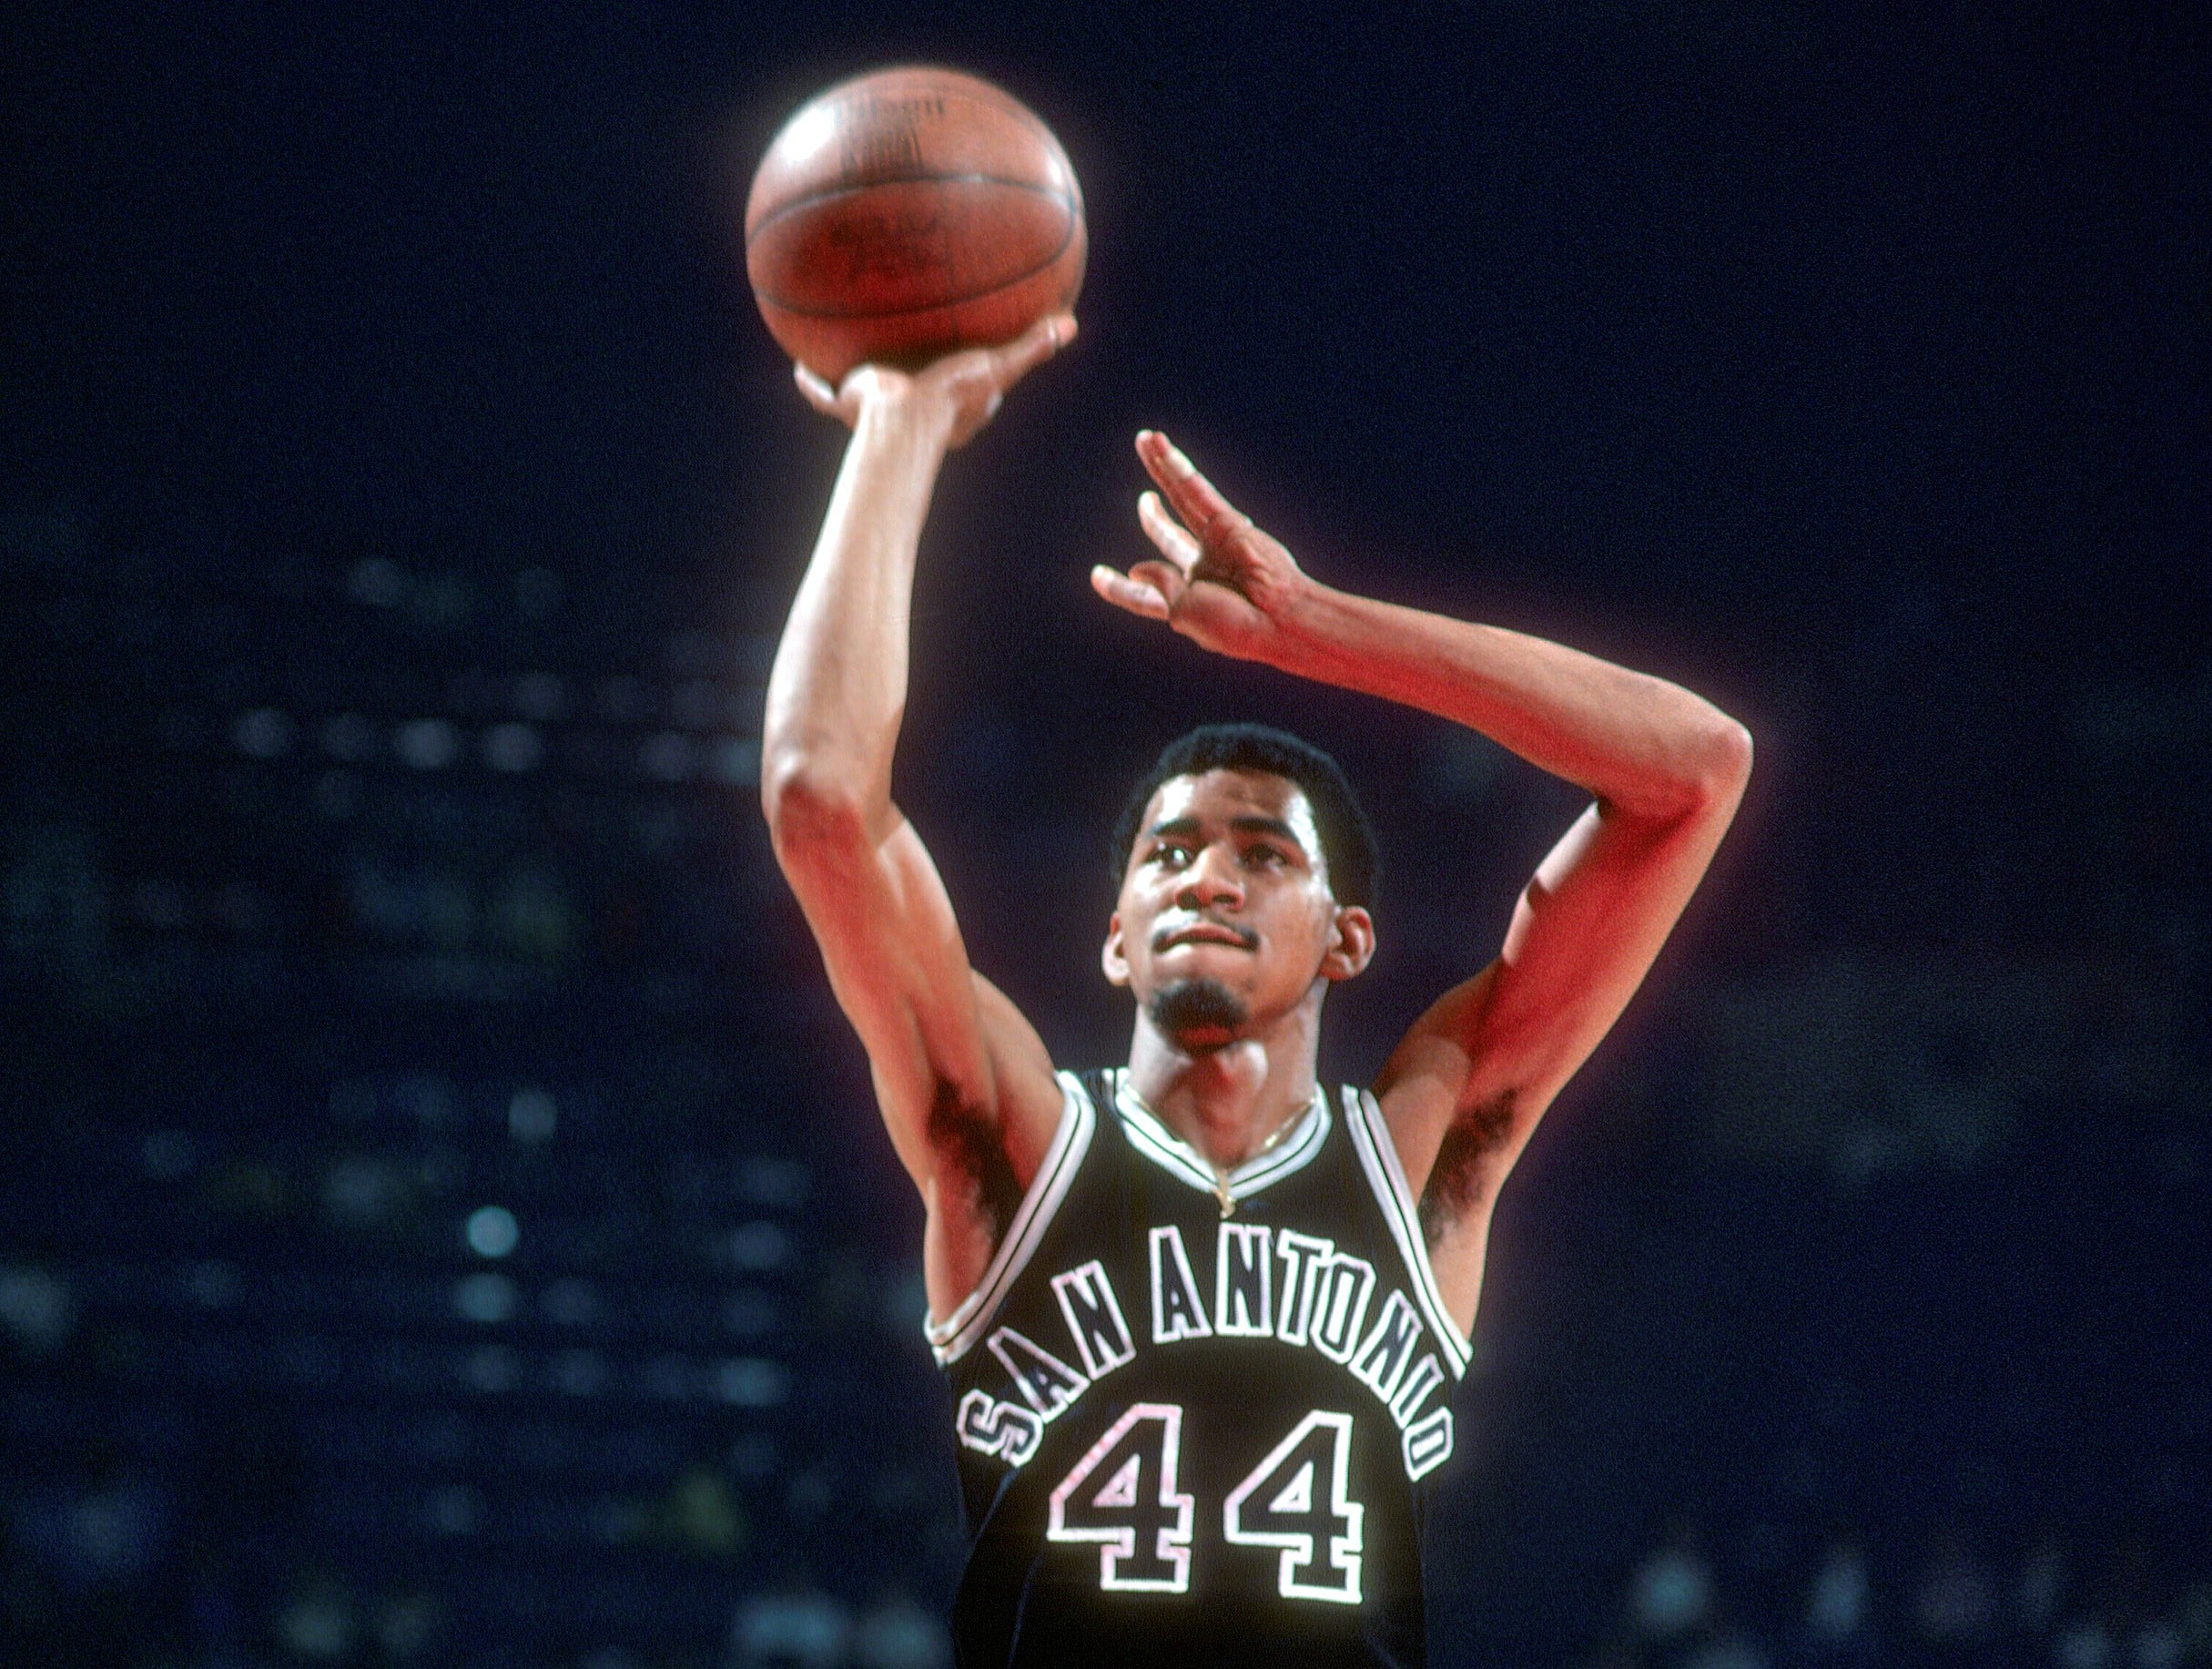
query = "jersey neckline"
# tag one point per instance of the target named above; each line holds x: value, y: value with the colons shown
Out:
x: 1150, y: 1136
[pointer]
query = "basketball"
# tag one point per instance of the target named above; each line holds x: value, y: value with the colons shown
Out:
x: 907, y: 213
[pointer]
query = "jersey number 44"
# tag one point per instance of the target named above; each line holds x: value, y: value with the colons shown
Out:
x: 1122, y: 1495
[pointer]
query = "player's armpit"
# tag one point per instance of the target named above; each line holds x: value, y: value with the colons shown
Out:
x: 964, y: 1083
x: 1464, y: 1091
x: 981, y: 1160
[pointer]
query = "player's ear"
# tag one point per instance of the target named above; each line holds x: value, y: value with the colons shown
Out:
x: 1111, y: 957
x: 1351, y: 945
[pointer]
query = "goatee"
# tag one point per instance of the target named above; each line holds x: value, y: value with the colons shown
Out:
x: 1190, y: 1006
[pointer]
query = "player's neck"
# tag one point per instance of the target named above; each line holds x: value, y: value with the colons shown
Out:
x: 1228, y: 1103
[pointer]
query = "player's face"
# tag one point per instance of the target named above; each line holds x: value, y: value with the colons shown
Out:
x: 1227, y: 893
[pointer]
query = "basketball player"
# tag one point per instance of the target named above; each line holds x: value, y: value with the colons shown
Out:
x: 1202, y: 1315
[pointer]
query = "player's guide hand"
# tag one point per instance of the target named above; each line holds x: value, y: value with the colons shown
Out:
x: 1223, y: 583
x: 964, y: 389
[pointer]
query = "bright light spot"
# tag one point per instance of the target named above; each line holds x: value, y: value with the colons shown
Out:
x: 531, y: 1115
x: 428, y: 744
x: 513, y: 747
x: 263, y: 734
x: 493, y: 1231
x: 36, y: 1310
x: 809, y: 130
x: 488, y: 1299
x: 1671, y: 1592
x: 751, y: 1382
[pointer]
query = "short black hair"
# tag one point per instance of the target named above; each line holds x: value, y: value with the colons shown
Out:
x: 1348, y: 839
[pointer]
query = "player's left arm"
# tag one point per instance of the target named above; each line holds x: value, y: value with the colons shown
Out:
x: 1464, y: 1090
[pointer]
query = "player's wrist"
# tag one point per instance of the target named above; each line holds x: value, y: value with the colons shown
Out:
x: 904, y: 414
x: 1305, y: 613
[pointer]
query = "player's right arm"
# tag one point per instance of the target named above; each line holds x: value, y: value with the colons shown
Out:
x: 965, y: 1083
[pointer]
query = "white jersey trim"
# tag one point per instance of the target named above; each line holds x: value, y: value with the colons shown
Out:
x: 954, y: 1337
x: 1378, y: 1155
x: 1152, y: 1137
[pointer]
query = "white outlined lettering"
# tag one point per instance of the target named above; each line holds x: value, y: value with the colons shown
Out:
x: 1427, y: 1443
x: 1422, y: 1378
x: 1143, y: 1534
x: 998, y: 1427
x: 1243, y: 1282
x: 1178, y: 1312
x: 1381, y: 1359
x: 1094, y: 1317
x: 1342, y: 1288
x: 1281, y: 1504
x: 1046, y: 1383
x: 1300, y: 1256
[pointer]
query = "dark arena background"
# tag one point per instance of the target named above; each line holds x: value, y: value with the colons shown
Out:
x: 442, y: 1215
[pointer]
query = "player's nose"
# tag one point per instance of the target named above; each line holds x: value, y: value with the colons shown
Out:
x: 1212, y: 878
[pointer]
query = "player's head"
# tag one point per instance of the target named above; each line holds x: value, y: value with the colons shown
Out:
x: 1245, y: 866
x: 1348, y: 839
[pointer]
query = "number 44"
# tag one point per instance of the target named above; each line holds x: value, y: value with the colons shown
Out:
x: 1122, y: 1495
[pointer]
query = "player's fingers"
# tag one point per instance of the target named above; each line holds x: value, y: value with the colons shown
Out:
x: 1196, y: 500
x: 1033, y: 348
x: 819, y: 394
x: 1123, y: 592
x: 1164, y: 577
x: 1174, y: 542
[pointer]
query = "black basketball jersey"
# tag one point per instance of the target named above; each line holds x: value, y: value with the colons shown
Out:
x: 1197, y: 1434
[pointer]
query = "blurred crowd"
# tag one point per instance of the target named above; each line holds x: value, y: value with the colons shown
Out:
x: 442, y: 1220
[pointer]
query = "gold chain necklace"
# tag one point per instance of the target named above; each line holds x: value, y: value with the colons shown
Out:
x: 1221, y: 1178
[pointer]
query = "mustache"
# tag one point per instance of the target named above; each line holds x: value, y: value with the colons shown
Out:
x: 1245, y: 937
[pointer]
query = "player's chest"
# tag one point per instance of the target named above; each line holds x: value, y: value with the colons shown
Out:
x: 1131, y: 1300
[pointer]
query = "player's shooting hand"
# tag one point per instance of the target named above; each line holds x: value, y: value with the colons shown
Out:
x: 962, y: 390
x: 1219, y: 580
